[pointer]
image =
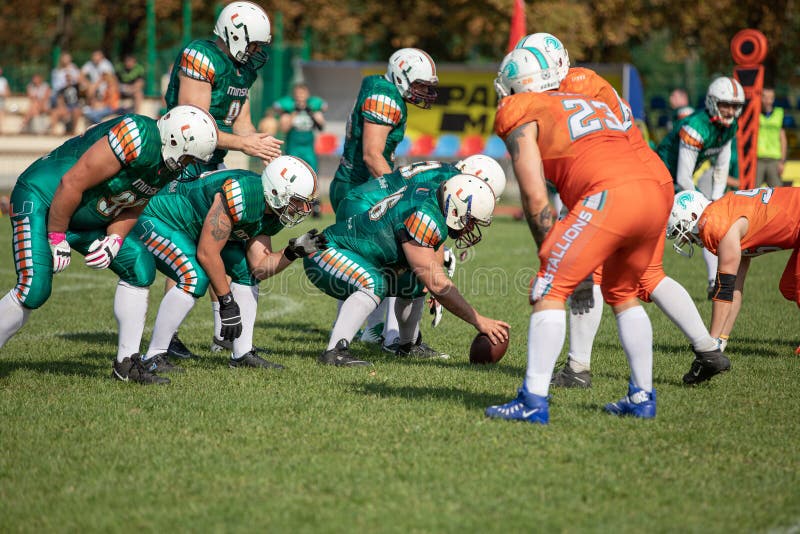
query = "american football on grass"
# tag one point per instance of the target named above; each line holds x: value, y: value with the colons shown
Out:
x: 482, y: 351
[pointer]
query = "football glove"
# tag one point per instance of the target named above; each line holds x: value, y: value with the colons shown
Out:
x: 231, y: 318
x: 582, y: 299
x: 103, y: 251
x: 62, y: 253
x: 305, y: 245
x: 436, y: 310
x: 449, y: 262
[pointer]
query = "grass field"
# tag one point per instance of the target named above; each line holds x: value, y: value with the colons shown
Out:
x: 402, y: 446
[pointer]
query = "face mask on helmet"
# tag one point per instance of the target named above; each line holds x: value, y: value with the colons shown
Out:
x: 687, y: 208
x: 467, y: 203
x: 188, y: 137
x: 245, y: 29
x: 289, y: 188
x: 724, y: 101
x: 413, y: 72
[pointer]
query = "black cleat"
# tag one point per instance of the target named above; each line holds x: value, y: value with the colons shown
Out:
x: 566, y: 377
x: 132, y: 370
x: 340, y: 356
x: 419, y: 350
x: 225, y: 345
x: 160, y: 364
x: 177, y: 349
x: 705, y: 366
x: 251, y: 359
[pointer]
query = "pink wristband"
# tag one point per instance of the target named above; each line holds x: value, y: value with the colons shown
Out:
x: 56, y: 237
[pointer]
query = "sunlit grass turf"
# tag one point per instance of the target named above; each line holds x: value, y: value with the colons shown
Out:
x: 401, y: 446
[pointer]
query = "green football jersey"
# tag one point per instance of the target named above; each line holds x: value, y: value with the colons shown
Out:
x: 300, y: 138
x: 184, y: 205
x: 230, y: 83
x: 410, y: 213
x: 432, y: 173
x: 378, y: 102
x: 695, y: 132
x: 135, y: 141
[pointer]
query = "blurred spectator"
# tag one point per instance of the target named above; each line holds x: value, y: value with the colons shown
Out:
x: 66, y: 103
x: 131, y: 81
x: 299, y: 115
x: 771, y: 150
x: 4, y: 93
x: 38, y: 100
x: 268, y: 123
x: 91, y: 74
x: 106, y: 99
x: 58, y: 76
x: 679, y: 103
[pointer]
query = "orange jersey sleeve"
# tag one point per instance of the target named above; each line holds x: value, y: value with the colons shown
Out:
x: 587, y: 82
x: 773, y: 216
x: 584, y: 146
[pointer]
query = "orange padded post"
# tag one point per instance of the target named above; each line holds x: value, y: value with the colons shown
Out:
x: 749, y: 48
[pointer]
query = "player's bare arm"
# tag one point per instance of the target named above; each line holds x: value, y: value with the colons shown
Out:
x: 729, y: 253
x: 428, y: 268
x: 374, y: 140
x: 528, y: 167
x: 96, y: 166
x: 125, y: 221
x: 213, y: 237
x: 262, y: 260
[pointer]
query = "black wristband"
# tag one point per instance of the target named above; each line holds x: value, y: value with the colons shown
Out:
x: 290, y: 254
x: 225, y: 300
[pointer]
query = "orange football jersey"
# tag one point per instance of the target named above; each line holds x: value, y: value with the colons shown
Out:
x: 773, y: 216
x: 584, y: 146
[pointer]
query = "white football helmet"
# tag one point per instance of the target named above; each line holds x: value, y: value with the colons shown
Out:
x: 682, y: 223
x: 290, y: 187
x: 467, y: 204
x: 245, y: 28
x: 526, y: 70
x: 188, y: 134
x: 550, y: 45
x: 413, y: 72
x: 487, y: 169
x: 726, y: 90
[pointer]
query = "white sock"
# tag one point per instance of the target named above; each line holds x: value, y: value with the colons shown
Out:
x: 217, y: 318
x: 13, y: 316
x: 247, y: 299
x: 676, y: 304
x: 711, y: 265
x: 636, y: 336
x: 545, y: 340
x: 582, y: 331
x: 352, y: 315
x: 391, y: 328
x: 409, y: 314
x: 173, y: 309
x: 130, y: 310
x: 376, y: 322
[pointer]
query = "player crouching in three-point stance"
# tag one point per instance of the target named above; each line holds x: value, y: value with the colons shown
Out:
x: 221, y: 224
x: 391, y: 250
x: 87, y: 195
x: 618, y: 210
x: 737, y: 227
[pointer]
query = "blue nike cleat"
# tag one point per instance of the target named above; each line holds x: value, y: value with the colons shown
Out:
x: 526, y: 407
x: 637, y: 403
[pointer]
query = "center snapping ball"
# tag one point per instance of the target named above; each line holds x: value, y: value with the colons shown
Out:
x: 482, y: 350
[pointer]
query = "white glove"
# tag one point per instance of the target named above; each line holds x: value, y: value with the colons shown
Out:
x: 449, y: 262
x: 103, y: 251
x: 62, y: 253
x: 436, y: 310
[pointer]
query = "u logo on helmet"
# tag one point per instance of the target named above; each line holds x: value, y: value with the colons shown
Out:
x: 684, y: 199
x: 187, y: 135
x: 233, y: 21
x: 283, y: 175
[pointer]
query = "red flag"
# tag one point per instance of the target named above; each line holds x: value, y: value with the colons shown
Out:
x: 517, y: 30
